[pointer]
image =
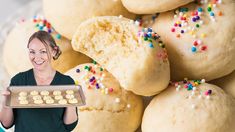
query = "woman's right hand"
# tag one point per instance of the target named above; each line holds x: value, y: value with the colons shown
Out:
x: 4, y: 94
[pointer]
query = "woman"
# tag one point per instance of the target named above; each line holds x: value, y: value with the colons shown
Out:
x: 42, y: 48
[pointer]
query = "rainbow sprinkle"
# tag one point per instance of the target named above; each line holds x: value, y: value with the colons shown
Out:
x: 93, y: 77
x: 183, y: 17
x: 192, y: 86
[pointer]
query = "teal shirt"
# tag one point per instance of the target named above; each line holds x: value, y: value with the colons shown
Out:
x: 40, y: 119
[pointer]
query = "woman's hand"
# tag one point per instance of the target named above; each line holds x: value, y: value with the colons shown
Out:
x: 6, y: 114
x: 70, y: 115
x: 4, y: 95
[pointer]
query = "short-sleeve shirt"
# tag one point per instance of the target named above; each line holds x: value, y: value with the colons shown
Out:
x: 40, y: 119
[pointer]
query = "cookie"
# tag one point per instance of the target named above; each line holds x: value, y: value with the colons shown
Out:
x: 23, y: 94
x: 57, y: 92
x: 33, y: 93
x: 44, y: 93
x: 197, y: 45
x: 39, y: 101
x: 69, y: 92
x: 62, y: 101
x: 58, y: 97
x: 66, y: 22
x: 101, y: 91
x: 50, y: 101
x: 135, y: 56
x: 21, y: 98
x: 37, y: 97
x: 153, y: 6
x: 73, y: 101
x: 185, y: 107
x: 24, y: 102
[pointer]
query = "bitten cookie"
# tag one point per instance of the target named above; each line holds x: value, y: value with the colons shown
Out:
x: 15, y: 52
x: 72, y: 12
x: 190, y: 107
x: 200, y: 39
x: 108, y: 106
x: 152, y: 6
x: 135, y: 56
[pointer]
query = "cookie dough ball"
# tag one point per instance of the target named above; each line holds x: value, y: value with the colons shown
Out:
x: 44, y: 93
x: 15, y: 52
x: 197, y: 43
x: 62, y: 101
x: 71, y: 13
x: 135, y: 56
x: 73, y: 101
x: 227, y: 83
x: 69, y: 92
x: 39, y: 101
x: 33, y: 93
x: 24, y: 102
x: 49, y: 101
x: 152, y: 6
x: 107, y: 104
x: 58, y: 97
x: 23, y: 94
x: 189, y: 107
x: 56, y: 92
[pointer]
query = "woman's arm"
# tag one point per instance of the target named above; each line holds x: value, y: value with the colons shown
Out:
x: 6, y: 114
x: 70, y: 115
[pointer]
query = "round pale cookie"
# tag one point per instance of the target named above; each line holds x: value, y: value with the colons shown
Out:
x: 37, y: 97
x: 73, y: 101
x: 69, y: 92
x: 197, y: 43
x: 24, y: 102
x: 50, y: 101
x: 58, y: 97
x: 69, y: 96
x: 44, y: 93
x: 15, y: 52
x: 135, y: 56
x: 189, y: 107
x: 39, y: 101
x: 107, y: 104
x: 227, y: 83
x: 21, y: 98
x: 33, y: 93
x: 62, y: 101
x: 56, y: 92
x: 47, y: 97
x: 73, y: 12
x: 152, y: 6
x: 23, y: 94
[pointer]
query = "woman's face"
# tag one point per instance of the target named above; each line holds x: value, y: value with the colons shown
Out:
x: 39, y: 56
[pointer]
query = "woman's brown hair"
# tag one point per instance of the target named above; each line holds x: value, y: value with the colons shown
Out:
x: 47, y: 40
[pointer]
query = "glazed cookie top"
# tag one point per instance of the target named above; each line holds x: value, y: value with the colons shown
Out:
x: 190, y: 106
x: 71, y: 13
x: 102, y: 90
x: 152, y: 6
x: 200, y: 39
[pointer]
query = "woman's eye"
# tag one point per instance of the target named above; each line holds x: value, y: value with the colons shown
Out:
x: 31, y: 52
x: 44, y: 52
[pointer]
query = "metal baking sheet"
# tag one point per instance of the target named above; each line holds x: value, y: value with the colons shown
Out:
x: 13, y: 101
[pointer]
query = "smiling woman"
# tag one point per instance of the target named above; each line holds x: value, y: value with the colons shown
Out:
x: 42, y: 49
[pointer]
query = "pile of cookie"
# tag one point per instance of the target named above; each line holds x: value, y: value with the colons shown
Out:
x: 46, y: 97
x: 173, y: 51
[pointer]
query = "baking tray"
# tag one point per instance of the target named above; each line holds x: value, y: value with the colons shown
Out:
x: 12, y: 100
